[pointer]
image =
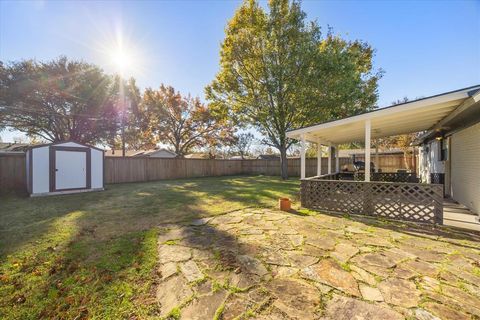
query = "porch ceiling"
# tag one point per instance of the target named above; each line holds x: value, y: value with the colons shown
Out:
x: 414, y: 116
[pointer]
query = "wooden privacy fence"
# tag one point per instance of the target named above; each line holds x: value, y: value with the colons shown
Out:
x: 118, y: 170
x: 133, y: 169
x: 392, y: 200
x: 390, y: 162
x: 272, y: 167
x: 12, y: 173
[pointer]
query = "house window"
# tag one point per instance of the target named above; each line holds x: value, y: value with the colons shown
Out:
x: 443, y: 149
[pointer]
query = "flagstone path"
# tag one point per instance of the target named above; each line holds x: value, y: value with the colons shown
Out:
x: 267, y: 264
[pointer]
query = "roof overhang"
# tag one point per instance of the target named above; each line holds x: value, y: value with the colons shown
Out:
x: 414, y: 116
x: 466, y: 114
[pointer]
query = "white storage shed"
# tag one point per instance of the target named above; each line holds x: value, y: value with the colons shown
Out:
x: 64, y: 167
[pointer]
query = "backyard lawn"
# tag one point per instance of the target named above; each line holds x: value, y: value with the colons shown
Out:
x: 217, y: 248
x: 94, y: 254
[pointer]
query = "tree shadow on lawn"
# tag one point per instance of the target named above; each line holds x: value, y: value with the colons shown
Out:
x: 134, y: 206
x: 94, y: 254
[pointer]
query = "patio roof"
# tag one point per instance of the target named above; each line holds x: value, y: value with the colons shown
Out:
x: 413, y: 116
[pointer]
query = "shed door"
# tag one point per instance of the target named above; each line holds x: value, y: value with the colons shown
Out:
x: 70, y: 170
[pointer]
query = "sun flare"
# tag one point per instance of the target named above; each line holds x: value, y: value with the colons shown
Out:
x: 122, y: 60
x: 120, y: 51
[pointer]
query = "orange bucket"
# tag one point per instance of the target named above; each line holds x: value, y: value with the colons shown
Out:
x: 284, y: 204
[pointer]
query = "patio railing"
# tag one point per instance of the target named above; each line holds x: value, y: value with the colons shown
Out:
x: 339, y: 193
x: 388, y: 176
x: 374, y: 176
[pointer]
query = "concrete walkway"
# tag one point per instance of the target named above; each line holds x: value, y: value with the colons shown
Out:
x: 458, y: 215
x: 266, y: 264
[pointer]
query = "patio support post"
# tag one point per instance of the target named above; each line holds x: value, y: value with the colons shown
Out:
x: 377, y: 160
x: 337, y: 159
x: 329, y: 158
x: 368, y: 129
x: 319, y: 158
x: 302, y: 157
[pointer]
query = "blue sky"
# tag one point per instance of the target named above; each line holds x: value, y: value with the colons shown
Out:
x: 424, y: 47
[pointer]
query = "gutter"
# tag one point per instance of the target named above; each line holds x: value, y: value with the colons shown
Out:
x: 439, y: 128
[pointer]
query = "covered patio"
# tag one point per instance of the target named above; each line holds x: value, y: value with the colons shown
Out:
x: 390, y: 195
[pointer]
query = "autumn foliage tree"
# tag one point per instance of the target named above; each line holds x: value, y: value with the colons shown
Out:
x: 241, y: 143
x: 278, y: 72
x: 134, y: 117
x: 182, y: 121
x: 404, y: 141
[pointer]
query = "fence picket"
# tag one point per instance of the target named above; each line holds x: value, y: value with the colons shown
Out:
x: 137, y: 169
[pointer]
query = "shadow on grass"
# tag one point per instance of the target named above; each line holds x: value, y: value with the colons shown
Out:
x: 94, y: 254
x: 135, y: 206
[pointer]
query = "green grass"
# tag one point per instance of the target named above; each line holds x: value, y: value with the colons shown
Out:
x: 175, y: 313
x: 94, y: 254
x: 345, y: 266
x: 476, y: 271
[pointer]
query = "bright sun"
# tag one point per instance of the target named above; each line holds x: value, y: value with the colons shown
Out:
x: 121, y: 53
x: 122, y: 61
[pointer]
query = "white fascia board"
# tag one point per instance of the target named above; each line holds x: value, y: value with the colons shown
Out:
x: 382, y: 112
x: 476, y: 96
x: 467, y: 103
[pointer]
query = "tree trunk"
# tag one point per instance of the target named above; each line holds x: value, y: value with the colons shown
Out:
x: 178, y: 151
x: 405, y: 161
x: 283, y: 162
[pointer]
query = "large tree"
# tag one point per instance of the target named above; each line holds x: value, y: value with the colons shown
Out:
x: 58, y: 100
x: 277, y: 73
x: 133, y: 118
x: 241, y: 143
x: 183, y: 122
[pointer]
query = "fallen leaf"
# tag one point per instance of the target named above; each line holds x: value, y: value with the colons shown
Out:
x: 20, y: 299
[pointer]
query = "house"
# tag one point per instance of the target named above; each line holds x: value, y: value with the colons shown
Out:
x: 153, y: 153
x: 450, y: 153
x: 118, y: 152
x: 268, y: 157
x: 157, y: 153
x: 197, y: 156
x: 450, y: 146
x: 13, y: 147
x: 203, y: 155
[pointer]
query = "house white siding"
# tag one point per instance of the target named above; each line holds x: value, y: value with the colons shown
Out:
x: 465, y: 167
